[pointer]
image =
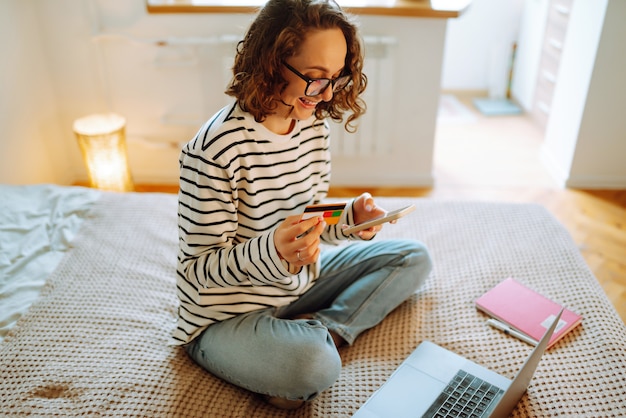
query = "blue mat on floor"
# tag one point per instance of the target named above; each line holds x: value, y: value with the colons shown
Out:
x: 494, y: 107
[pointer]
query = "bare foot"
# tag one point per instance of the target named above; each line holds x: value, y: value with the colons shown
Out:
x: 283, y: 403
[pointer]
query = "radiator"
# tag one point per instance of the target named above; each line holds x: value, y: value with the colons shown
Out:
x: 371, y: 137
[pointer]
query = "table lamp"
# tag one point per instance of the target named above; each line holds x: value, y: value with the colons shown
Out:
x: 102, y: 141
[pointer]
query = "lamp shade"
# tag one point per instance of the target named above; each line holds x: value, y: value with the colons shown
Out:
x: 102, y: 141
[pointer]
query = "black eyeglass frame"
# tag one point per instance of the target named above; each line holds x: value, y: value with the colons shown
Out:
x: 345, y: 79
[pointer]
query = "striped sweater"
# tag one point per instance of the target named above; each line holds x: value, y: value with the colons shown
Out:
x: 238, y: 182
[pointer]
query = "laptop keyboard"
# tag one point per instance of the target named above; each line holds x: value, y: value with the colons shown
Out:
x: 465, y: 396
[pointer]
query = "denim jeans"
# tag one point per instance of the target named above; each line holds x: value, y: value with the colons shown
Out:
x: 267, y: 352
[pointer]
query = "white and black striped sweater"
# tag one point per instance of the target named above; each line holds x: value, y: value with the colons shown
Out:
x: 238, y: 182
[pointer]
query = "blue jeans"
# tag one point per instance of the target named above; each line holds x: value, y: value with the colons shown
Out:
x: 268, y: 353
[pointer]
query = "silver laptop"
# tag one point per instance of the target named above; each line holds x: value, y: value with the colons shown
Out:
x: 435, y: 382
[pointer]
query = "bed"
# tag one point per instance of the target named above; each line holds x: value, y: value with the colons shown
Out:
x: 90, y: 336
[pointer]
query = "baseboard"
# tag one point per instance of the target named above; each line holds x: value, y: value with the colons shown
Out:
x: 596, y: 182
x: 565, y: 179
x: 554, y: 169
x: 466, y: 93
x: 377, y: 180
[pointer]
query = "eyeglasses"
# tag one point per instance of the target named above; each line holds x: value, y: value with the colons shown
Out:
x: 316, y: 86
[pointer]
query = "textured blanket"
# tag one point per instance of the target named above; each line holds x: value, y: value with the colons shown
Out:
x: 96, y: 341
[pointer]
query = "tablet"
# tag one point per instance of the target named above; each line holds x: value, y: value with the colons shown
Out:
x: 387, y: 217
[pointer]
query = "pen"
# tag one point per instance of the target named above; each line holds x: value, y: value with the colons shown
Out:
x: 510, y: 331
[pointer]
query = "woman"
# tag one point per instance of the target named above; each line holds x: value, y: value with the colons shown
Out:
x: 260, y: 305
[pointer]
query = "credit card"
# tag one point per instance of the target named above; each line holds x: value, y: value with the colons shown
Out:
x: 331, y: 212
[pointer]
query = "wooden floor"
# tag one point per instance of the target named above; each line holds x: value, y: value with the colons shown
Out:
x: 498, y: 158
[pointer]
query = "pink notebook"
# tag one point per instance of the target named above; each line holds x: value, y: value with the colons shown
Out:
x: 526, y: 311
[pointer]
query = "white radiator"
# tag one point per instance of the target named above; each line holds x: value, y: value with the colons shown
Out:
x: 373, y: 133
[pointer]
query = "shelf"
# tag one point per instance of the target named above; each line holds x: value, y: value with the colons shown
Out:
x: 442, y: 9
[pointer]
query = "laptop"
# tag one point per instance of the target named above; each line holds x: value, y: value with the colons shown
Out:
x: 429, y: 381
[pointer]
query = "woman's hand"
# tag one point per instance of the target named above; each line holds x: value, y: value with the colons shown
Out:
x: 365, y: 209
x: 298, y: 242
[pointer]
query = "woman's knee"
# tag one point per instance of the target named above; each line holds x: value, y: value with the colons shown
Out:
x: 415, y: 261
x: 314, y: 363
x: 419, y: 254
x: 413, y: 253
x: 291, y: 359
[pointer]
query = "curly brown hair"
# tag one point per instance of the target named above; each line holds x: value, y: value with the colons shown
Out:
x: 276, y: 34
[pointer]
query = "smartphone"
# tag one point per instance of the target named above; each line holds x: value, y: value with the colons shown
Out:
x: 387, y: 217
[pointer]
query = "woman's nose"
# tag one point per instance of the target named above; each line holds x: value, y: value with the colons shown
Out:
x: 327, y: 95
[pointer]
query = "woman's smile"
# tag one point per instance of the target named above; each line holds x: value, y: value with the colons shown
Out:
x: 308, y: 104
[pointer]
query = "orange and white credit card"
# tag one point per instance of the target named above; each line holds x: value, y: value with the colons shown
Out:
x: 331, y: 212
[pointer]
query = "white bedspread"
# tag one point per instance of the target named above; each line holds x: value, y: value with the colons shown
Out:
x: 37, y: 225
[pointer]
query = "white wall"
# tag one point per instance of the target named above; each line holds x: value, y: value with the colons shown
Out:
x: 530, y: 41
x: 479, y: 46
x: 600, y: 156
x: 585, y: 140
x: 32, y: 144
